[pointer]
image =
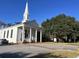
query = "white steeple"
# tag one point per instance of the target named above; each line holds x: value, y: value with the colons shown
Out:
x: 26, y: 14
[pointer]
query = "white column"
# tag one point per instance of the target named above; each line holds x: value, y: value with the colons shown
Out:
x: 23, y: 34
x: 30, y: 35
x: 40, y: 35
x: 36, y: 35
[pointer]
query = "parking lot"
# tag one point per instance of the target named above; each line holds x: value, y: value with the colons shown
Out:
x: 31, y: 50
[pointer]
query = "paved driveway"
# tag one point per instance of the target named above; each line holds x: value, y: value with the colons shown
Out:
x: 16, y: 51
x: 30, y: 50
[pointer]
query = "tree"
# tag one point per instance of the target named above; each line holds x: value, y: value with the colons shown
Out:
x: 62, y: 27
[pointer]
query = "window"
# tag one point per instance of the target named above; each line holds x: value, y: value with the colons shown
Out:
x: 4, y: 33
x: 7, y: 33
x: 11, y: 33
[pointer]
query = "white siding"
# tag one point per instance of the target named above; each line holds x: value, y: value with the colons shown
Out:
x: 11, y: 40
x: 1, y: 33
x: 14, y: 36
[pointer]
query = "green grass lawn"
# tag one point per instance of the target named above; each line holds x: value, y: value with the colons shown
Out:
x: 64, y: 54
x: 75, y: 44
x: 61, y: 54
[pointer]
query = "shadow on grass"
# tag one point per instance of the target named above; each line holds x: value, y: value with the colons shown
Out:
x: 25, y: 55
x: 46, y: 55
x: 13, y: 55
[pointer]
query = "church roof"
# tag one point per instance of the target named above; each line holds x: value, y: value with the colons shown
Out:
x: 32, y: 23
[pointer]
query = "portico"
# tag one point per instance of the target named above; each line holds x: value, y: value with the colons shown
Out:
x: 30, y: 33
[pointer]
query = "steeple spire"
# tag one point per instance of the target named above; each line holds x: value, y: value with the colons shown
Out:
x: 26, y: 13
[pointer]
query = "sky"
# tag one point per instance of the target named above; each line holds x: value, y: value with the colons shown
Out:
x: 12, y: 11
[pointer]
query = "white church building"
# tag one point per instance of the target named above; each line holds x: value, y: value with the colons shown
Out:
x: 26, y: 31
